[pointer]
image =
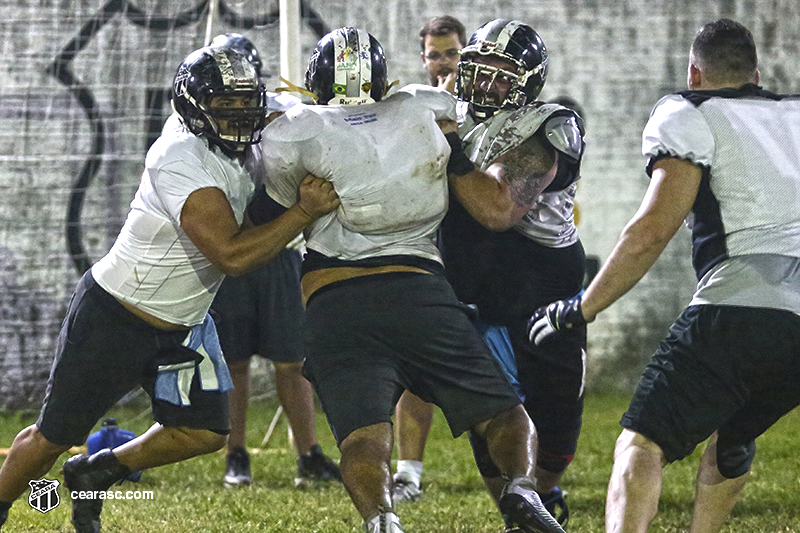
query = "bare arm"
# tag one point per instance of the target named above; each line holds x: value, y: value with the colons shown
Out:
x: 669, y: 199
x: 500, y: 197
x: 209, y: 222
x: 527, y: 170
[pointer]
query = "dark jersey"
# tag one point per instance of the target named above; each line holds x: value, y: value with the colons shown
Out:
x: 508, y: 274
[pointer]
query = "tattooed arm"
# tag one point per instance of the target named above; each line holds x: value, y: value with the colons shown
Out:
x: 527, y: 169
x: 509, y: 188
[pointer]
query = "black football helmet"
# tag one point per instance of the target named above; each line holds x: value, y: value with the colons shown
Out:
x: 347, y: 67
x: 243, y: 45
x: 511, y: 40
x: 206, y: 78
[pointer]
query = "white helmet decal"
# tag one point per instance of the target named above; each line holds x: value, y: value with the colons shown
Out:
x: 353, y: 70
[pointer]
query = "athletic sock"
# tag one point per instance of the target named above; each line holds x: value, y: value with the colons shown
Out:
x: 4, y: 507
x: 410, y: 471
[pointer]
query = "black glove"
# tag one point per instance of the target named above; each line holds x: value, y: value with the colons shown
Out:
x: 557, y: 316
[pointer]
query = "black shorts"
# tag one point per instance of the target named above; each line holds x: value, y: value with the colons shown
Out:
x: 371, y: 337
x: 726, y: 368
x: 261, y: 313
x: 553, y: 377
x: 103, y: 352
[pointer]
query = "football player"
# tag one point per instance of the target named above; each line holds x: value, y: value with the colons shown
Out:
x: 380, y: 315
x: 139, y: 316
x: 536, y: 148
x: 729, y: 366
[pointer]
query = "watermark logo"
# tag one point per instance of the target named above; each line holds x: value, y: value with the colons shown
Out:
x: 44, y: 495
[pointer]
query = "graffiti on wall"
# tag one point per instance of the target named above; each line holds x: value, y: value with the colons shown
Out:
x: 61, y: 69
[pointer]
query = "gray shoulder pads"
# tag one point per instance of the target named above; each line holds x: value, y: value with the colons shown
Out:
x: 564, y: 134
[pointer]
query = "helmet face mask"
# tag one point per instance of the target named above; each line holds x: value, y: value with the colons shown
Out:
x: 236, y: 119
x: 217, y: 93
x: 347, y: 67
x: 511, y: 54
x: 489, y: 86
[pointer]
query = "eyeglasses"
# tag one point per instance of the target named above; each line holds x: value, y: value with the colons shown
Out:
x: 448, y: 54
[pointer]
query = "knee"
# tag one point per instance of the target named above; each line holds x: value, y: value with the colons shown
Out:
x: 372, y: 441
x: 552, y: 462
x: 516, y: 416
x: 630, y: 442
x: 734, y: 460
x: 291, y: 370
x: 514, y: 420
x: 31, y: 436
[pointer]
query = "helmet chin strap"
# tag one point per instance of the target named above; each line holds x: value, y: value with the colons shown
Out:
x: 481, y: 113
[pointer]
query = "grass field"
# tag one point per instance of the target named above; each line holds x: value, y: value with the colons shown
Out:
x: 189, y: 497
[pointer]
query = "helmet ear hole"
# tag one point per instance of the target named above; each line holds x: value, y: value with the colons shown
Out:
x: 347, y: 67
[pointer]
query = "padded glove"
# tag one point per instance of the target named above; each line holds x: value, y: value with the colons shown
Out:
x: 556, y: 317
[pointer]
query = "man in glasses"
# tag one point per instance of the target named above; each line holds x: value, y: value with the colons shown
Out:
x: 442, y: 39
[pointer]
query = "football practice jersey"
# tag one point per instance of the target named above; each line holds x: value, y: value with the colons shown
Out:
x: 387, y: 162
x: 550, y: 222
x: 153, y: 264
x: 747, y: 212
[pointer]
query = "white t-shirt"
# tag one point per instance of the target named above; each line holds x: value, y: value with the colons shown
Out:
x: 153, y: 264
x: 386, y: 160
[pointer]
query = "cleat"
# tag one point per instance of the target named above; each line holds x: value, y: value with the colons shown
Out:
x: 237, y: 469
x: 314, y: 467
x: 383, y: 523
x: 523, y: 509
x: 91, y: 473
x: 404, y: 490
x: 556, y: 504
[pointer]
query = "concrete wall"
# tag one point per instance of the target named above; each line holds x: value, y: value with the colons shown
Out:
x: 60, y: 59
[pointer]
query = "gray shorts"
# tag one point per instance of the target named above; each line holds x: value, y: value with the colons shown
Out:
x: 727, y: 368
x: 104, y: 352
x: 371, y: 337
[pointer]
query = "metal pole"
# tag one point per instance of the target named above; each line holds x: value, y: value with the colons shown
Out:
x: 213, y: 6
x: 290, y: 40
